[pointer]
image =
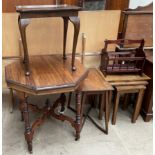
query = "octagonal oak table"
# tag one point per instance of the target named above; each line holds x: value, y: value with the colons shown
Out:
x: 67, y: 12
x: 49, y: 75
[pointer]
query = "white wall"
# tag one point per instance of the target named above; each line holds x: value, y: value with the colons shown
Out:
x: 134, y: 3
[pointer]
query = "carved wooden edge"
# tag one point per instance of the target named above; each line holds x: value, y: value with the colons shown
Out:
x: 45, y: 90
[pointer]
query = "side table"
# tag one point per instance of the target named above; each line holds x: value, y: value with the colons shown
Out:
x: 126, y: 83
x: 67, y: 12
x: 95, y: 84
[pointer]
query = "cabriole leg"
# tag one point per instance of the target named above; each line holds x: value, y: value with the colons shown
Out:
x: 65, y: 19
x: 76, y: 23
x: 12, y: 100
x: 23, y: 23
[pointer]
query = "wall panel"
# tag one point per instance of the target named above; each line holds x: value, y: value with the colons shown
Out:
x: 45, y: 36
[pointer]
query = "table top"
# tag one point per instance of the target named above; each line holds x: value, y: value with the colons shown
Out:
x: 95, y: 82
x: 126, y: 78
x: 49, y: 74
x: 46, y: 8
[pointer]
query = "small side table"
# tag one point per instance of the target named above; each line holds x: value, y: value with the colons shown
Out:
x: 67, y: 12
x: 95, y: 84
x: 127, y: 83
x: 50, y: 75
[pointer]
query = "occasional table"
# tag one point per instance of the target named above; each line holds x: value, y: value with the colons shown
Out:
x: 49, y: 75
x: 95, y: 84
x: 128, y: 84
x: 67, y: 12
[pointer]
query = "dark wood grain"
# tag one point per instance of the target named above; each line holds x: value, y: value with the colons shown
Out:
x: 49, y: 74
x: 46, y: 8
x: 10, y: 6
x: 95, y: 82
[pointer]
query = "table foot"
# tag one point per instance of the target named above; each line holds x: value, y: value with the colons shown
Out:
x: 73, y: 68
x: 29, y: 146
x: 27, y: 73
x: 77, y: 137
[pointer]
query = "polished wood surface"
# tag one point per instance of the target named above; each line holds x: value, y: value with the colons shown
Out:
x: 95, y: 82
x: 126, y: 78
x: 130, y: 83
x: 48, y: 74
x: 46, y: 8
x: 10, y: 6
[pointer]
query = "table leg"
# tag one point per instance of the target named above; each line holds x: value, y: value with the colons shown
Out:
x: 12, y: 100
x: 23, y: 23
x: 28, y: 132
x: 106, y: 111
x: 65, y: 19
x: 102, y: 97
x: 109, y: 105
x: 125, y: 102
x: 116, y: 102
x: 69, y: 99
x: 78, y: 114
x: 76, y: 23
x: 83, y: 100
x: 138, y: 105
